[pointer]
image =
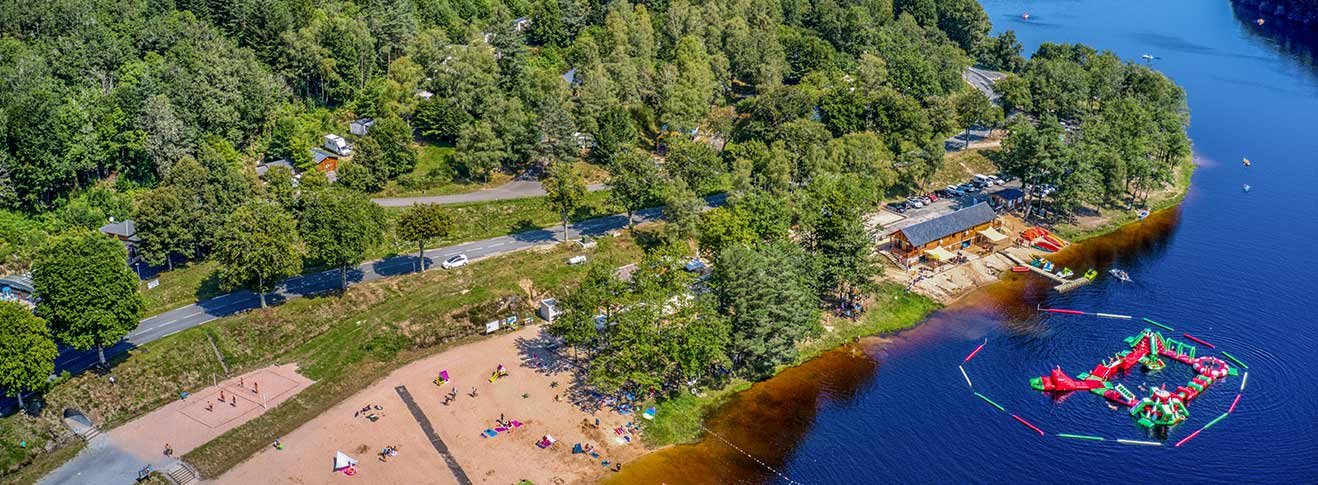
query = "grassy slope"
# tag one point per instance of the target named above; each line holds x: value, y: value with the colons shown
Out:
x: 436, y: 157
x: 680, y: 419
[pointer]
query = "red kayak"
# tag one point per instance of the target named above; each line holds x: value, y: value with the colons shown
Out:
x: 1047, y: 246
x: 1020, y: 269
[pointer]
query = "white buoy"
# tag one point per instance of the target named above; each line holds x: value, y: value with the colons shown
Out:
x: 1111, y: 315
x: 963, y: 374
x: 1135, y: 442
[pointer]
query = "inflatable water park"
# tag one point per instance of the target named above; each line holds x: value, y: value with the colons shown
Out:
x: 1149, y: 351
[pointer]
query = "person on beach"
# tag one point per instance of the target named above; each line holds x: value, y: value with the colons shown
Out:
x: 221, y: 395
x: 169, y: 450
x: 210, y: 406
x: 233, y: 401
x: 473, y: 392
x: 256, y: 387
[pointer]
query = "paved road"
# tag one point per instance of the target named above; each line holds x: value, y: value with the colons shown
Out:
x: 180, y: 319
x: 516, y: 189
x: 983, y: 79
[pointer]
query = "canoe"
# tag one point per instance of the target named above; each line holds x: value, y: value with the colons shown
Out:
x: 1047, y: 246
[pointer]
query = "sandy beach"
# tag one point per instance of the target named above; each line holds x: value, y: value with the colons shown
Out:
x: 526, y: 394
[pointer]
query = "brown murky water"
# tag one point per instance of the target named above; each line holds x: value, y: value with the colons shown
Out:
x: 768, y: 420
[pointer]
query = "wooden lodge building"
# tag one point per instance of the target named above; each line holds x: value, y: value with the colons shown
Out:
x: 942, y: 237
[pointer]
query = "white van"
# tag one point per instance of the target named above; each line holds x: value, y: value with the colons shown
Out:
x: 983, y: 180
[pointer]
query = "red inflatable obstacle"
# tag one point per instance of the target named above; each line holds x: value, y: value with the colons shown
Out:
x: 1059, y: 381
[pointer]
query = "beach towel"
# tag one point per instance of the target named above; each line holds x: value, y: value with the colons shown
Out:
x: 576, y: 448
x: 501, y: 429
x: 515, y: 423
x: 489, y: 433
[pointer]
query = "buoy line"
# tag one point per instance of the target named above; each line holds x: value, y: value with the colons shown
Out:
x: 752, y: 457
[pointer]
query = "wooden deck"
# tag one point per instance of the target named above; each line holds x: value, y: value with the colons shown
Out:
x: 1063, y: 285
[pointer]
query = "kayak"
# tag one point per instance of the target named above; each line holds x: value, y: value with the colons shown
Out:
x: 1020, y: 269
x: 1047, y: 246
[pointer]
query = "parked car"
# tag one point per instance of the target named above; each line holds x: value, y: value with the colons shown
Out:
x: 914, y: 202
x: 933, y: 197
x: 456, y: 261
x: 996, y: 180
x: 925, y: 199
x: 955, y: 191
x: 969, y: 188
x: 898, y: 207
x: 981, y: 180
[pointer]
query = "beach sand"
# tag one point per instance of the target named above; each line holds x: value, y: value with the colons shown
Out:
x: 503, y: 459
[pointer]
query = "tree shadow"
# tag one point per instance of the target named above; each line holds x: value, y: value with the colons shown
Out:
x: 210, y: 287
x: 546, y: 354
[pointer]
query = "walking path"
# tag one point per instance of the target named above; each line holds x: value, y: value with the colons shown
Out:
x: 516, y: 189
x: 435, y: 440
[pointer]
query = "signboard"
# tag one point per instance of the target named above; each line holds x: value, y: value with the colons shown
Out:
x: 153, y: 283
x: 492, y: 327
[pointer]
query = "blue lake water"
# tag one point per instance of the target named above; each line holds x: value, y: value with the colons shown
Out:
x: 1233, y: 268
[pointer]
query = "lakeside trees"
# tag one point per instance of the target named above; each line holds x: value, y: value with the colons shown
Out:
x: 258, y: 248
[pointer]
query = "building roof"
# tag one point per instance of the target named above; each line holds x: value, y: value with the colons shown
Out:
x: 19, y: 282
x: 265, y: 167
x: 948, y: 224
x: 364, y: 122
x: 1009, y: 194
x: 122, y: 229
x: 318, y: 155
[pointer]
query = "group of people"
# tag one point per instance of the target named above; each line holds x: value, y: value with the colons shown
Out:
x: 368, y: 411
x: 387, y: 452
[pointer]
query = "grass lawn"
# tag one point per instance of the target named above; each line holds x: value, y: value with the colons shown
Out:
x: 183, y: 286
x: 960, y: 166
x: 435, y: 159
x: 344, y: 343
x: 891, y: 309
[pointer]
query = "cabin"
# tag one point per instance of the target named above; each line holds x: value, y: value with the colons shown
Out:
x: 549, y: 309
x: 940, y: 238
x: 126, y: 233
x: 1007, y: 199
x: 361, y: 127
x: 326, y: 162
x: 264, y: 168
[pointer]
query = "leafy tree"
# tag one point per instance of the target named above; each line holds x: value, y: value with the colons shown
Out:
x: 1002, y: 53
x: 557, y: 133
x: 634, y: 182
x: 974, y: 109
x: 694, y: 162
x: 279, y: 187
x: 721, y: 228
x: 165, y: 217
x: 692, y: 88
x: 598, y: 293
x: 681, y: 211
x: 839, y: 241
x: 421, y: 223
x: 480, y: 151
x: 88, y: 293
x: 397, y: 154
x: 339, y: 227
x: 258, y: 248
x: 565, y: 190
x: 615, y: 134
x: 27, y: 354
x: 767, y: 294
x: 359, y: 176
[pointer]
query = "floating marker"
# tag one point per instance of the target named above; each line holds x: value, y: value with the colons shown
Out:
x: 1192, y: 337
x: 990, y: 401
x: 1214, y: 421
x: 1233, y: 404
x: 976, y: 351
x: 1187, y: 438
x: 1134, y: 442
x: 1234, y: 359
x: 1169, y: 329
x: 1027, y: 423
x: 1068, y: 312
x: 963, y: 374
x: 1243, y: 380
x: 1111, y: 315
x: 1080, y: 437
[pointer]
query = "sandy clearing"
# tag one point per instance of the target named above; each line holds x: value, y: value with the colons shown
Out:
x: 503, y: 459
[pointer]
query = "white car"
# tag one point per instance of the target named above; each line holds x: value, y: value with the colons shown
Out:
x: 453, y: 262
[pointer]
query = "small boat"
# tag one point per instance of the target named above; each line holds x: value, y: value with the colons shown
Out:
x: 1245, y: 187
x: 1047, y: 266
x: 1026, y: 16
x: 1020, y: 269
x: 1245, y: 161
x: 1148, y: 57
x: 1260, y: 21
x: 1119, y: 274
x: 1142, y: 214
x: 1065, y: 273
x: 1091, y: 274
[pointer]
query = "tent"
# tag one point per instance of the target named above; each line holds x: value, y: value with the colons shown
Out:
x: 342, y: 461
x: 940, y: 254
x: 993, y: 235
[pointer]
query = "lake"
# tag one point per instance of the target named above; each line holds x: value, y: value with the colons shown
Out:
x: 1230, y: 267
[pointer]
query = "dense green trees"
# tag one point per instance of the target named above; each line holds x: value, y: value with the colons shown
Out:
x: 27, y: 354
x: 564, y: 190
x: 339, y: 226
x: 768, y: 294
x: 88, y: 293
x: 258, y: 248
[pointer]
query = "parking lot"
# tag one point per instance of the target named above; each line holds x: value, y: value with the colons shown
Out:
x: 889, y: 221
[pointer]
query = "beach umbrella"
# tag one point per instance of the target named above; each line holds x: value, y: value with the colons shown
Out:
x: 342, y: 461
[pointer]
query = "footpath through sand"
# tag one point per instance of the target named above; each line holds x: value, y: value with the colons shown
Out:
x: 526, y: 394
x: 116, y: 456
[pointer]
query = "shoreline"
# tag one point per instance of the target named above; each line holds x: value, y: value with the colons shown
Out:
x: 708, y: 406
